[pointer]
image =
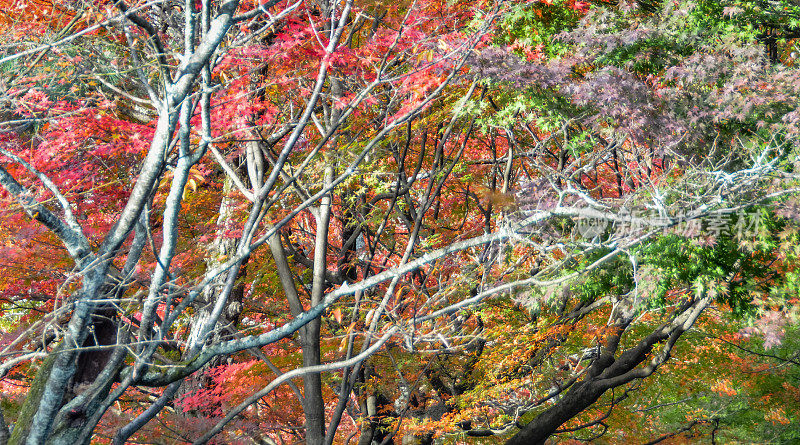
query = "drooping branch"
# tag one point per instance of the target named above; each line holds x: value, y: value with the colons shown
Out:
x: 293, y: 374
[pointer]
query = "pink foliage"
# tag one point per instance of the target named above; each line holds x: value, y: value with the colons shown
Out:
x: 770, y: 326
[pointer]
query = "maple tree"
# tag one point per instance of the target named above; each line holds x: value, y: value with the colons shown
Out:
x: 492, y: 219
x: 647, y: 117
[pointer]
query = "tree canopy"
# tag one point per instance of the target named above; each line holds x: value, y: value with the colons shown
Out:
x: 327, y: 222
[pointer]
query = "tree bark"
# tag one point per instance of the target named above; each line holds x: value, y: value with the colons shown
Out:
x: 580, y: 397
x: 313, y: 403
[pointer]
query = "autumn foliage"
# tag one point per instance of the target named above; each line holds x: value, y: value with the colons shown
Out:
x: 410, y: 222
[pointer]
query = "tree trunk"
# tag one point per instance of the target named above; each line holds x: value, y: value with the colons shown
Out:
x: 313, y: 403
x: 580, y: 397
x: 221, y: 247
